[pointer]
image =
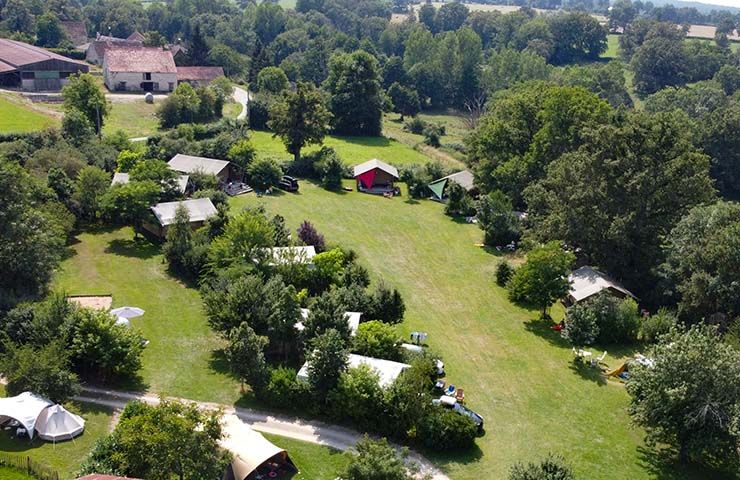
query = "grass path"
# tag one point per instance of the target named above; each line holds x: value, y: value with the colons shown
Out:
x: 516, y: 372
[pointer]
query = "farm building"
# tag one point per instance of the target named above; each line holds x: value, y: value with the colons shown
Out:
x: 76, y: 32
x: 222, y: 169
x: 353, y: 320
x: 387, y: 370
x: 463, y: 178
x: 139, y: 69
x: 375, y: 176
x: 33, y: 68
x: 122, y: 178
x: 586, y: 282
x: 180, y: 54
x: 200, y: 210
x: 199, y: 76
x: 97, y: 48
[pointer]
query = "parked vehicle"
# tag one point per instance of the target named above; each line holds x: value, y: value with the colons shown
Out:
x: 288, y: 183
x: 451, y: 403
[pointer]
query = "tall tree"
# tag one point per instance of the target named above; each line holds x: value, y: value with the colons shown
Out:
x: 577, y: 36
x: 354, y: 85
x: 327, y: 359
x: 246, y: 357
x: 128, y: 204
x: 45, y: 371
x: 689, y: 396
x: 84, y: 94
x: 300, y: 119
x: 543, y: 279
x: 198, y: 49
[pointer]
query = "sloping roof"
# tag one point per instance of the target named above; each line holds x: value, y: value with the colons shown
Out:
x: 76, y: 32
x: 135, y: 37
x: 463, y: 178
x: 199, y: 209
x: 25, y: 408
x: 353, y: 320
x: 135, y: 59
x: 587, y: 281
x: 14, y: 55
x: 387, y: 370
x: 191, y: 164
x: 199, y: 73
x: 372, y: 165
x: 249, y: 448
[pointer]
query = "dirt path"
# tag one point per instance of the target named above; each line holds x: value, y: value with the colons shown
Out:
x: 315, y: 432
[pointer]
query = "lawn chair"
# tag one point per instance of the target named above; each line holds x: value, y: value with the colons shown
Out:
x: 450, y: 392
x: 596, y: 361
x: 460, y: 395
x: 577, y: 355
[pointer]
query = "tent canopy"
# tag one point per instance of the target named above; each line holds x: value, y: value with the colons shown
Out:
x: 250, y: 448
x: 25, y: 408
x: 55, y: 423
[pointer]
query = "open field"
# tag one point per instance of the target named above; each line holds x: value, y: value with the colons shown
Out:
x: 10, y: 474
x: 136, y: 118
x: 20, y: 115
x: 65, y: 457
x: 516, y: 371
x: 612, y: 50
x: 352, y: 150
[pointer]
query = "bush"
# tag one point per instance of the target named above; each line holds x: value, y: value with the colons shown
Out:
x: 432, y: 134
x: 332, y: 171
x: 376, y: 460
x: 379, y: 340
x: 446, y: 430
x: 310, y: 236
x: 259, y: 113
x: 264, y: 173
x: 415, y: 125
x: 283, y: 390
x: 551, y: 468
x: 417, y: 179
x: 458, y: 201
x: 388, y: 306
x: 358, y: 397
x: 44, y: 371
x: 504, y: 271
x: 603, y: 319
x: 732, y: 336
x: 656, y: 325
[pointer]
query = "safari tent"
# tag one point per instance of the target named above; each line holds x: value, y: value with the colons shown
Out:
x: 255, y: 457
x: 375, y: 176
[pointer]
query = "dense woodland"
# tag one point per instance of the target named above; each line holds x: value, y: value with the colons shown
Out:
x: 631, y: 165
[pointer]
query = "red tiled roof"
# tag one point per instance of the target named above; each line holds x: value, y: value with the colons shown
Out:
x: 139, y: 59
x: 15, y: 54
x: 199, y: 73
x: 135, y: 37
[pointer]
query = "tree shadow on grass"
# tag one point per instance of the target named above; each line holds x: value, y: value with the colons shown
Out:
x: 134, y: 383
x: 584, y: 370
x: 465, y: 457
x: 134, y: 248
x: 542, y: 327
x: 663, y: 464
x: 366, y: 141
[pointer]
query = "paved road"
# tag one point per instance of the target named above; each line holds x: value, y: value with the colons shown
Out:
x: 316, y: 432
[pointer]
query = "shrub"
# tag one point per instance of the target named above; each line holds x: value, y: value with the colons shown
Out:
x: 264, y: 173
x: 332, y: 171
x: 415, y: 125
x: 732, y: 337
x: 377, y: 460
x: 553, y: 467
x: 417, y: 179
x: 432, y: 134
x: 259, y: 113
x: 446, y: 430
x: 358, y: 397
x: 458, y: 201
x: 602, y: 318
x: 377, y: 339
x: 388, y: 306
x: 310, y: 236
x: 656, y: 325
x: 283, y: 390
x: 504, y: 271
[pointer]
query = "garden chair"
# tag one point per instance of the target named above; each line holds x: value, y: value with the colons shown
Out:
x: 597, y: 361
x: 460, y: 395
x: 450, y: 391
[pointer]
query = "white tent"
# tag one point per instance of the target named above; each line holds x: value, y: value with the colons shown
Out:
x: 25, y: 408
x: 250, y: 449
x: 387, y: 370
x: 55, y: 423
x: 353, y: 320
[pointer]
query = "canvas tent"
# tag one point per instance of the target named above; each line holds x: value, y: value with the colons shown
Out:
x: 252, y: 452
x: 375, y: 173
x: 463, y: 178
x: 289, y: 255
x: 55, y: 423
x: 192, y: 164
x: 25, y: 408
x: 587, y: 281
x: 199, y: 210
x: 387, y: 370
x: 353, y: 320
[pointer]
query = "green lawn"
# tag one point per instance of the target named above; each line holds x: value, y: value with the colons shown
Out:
x: 17, y: 115
x: 64, y: 457
x: 612, y: 50
x: 516, y: 371
x: 352, y: 150
x: 10, y: 474
x: 314, y: 462
x: 136, y: 118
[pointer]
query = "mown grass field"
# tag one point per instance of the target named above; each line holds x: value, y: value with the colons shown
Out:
x: 612, y: 50
x: 352, y: 150
x: 18, y: 115
x: 10, y: 474
x: 516, y: 371
x: 136, y: 118
x: 313, y: 462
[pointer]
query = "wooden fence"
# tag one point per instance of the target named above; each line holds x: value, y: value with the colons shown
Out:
x: 29, y: 466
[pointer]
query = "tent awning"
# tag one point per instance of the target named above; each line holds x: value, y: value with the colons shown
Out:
x: 25, y: 408
x: 438, y: 188
x: 250, y: 448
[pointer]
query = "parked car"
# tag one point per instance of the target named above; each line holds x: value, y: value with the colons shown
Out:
x: 450, y: 402
x: 288, y: 183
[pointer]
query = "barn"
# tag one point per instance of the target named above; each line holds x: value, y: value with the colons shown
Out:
x: 139, y: 69
x: 33, y: 68
x: 198, y: 76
